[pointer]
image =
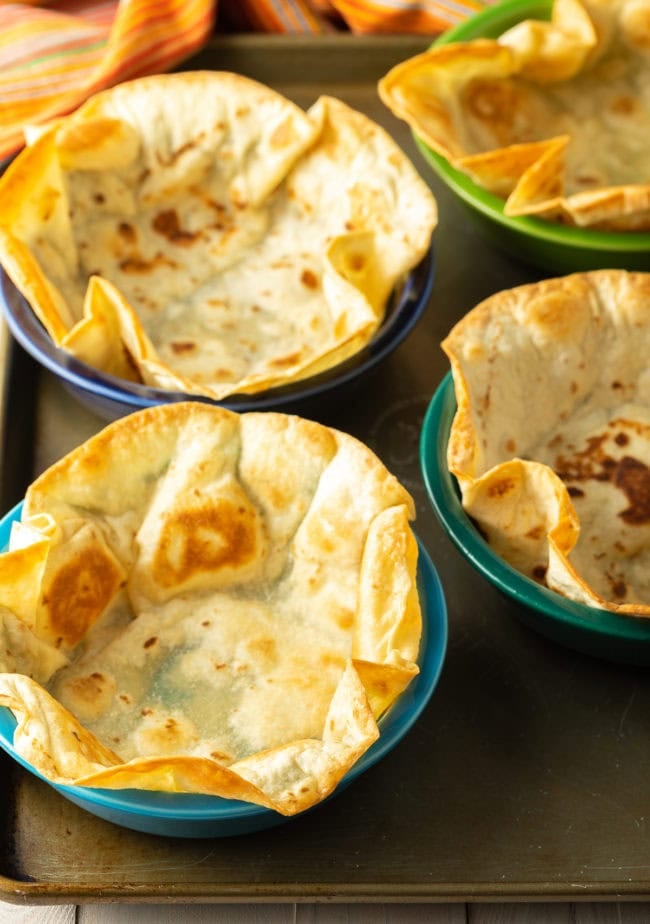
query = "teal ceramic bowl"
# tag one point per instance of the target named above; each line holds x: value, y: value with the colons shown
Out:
x: 546, y: 245
x: 193, y: 816
x: 623, y: 639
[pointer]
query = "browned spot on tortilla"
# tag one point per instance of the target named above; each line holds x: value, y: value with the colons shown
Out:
x: 535, y: 533
x: 623, y: 105
x: 633, y: 478
x: 583, y: 465
x: 127, y: 232
x: 173, y: 156
x: 80, y: 592
x: 206, y: 539
x: 493, y: 102
x: 344, y: 618
x: 356, y: 262
x: 309, y: 279
x: 47, y: 202
x: 501, y: 487
x: 288, y: 360
x: 182, y: 346
x: 167, y: 223
x: 263, y: 648
x: 588, y: 179
x: 138, y: 265
x: 87, y: 689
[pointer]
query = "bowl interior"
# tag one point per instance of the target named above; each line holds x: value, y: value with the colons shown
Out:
x: 551, y: 244
x: 191, y: 815
x: 591, y: 630
x: 111, y: 396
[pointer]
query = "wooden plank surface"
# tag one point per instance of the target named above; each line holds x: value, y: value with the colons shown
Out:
x: 498, y: 913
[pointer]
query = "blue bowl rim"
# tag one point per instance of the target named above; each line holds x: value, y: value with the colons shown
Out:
x: 489, y: 21
x: 405, y: 309
x: 442, y: 489
x: 394, y: 725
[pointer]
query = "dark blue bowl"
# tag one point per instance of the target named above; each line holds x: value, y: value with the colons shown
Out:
x: 111, y: 397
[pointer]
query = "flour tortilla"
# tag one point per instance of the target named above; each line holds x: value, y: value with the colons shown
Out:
x: 197, y: 601
x: 551, y: 440
x: 199, y: 232
x: 553, y: 117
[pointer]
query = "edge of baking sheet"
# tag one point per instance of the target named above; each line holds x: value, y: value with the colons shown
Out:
x: 19, y: 375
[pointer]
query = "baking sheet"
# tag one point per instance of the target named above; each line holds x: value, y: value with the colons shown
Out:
x: 526, y: 776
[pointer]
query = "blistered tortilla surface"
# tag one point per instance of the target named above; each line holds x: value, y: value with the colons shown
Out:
x: 550, y: 442
x: 552, y: 116
x: 198, y: 601
x: 200, y: 233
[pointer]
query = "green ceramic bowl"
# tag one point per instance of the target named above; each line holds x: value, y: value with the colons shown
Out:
x: 624, y: 639
x: 547, y: 245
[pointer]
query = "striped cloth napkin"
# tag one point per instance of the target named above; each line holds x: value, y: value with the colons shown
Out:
x: 53, y: 55
x: 360, y: 16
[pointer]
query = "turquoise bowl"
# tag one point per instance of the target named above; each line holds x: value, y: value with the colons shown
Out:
x: 188, y: 815
x: 623, y: 639
x: 547, y: 245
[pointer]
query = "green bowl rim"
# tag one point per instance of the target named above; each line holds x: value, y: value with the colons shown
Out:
x: 493, y: 20
x: 443, y: 494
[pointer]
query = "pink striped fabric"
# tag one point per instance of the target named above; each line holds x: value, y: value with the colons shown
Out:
x: 361, y: 16
x: 54, y: 55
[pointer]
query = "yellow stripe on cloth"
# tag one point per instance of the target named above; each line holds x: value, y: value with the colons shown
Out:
x: 361, y: 16
x: 401, y: 16
x: 53, y: 57
x: 278, y: 16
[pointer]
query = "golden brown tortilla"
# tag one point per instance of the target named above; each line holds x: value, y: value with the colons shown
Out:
x: 199, y: 601
x: 199, y: 232
x: 551, y: 440
x: 553, y: 117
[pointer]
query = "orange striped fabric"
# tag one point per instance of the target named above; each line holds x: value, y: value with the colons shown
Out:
x: 53, y: 55
x: 360, y: 16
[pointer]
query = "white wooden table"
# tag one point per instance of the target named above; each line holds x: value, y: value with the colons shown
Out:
x: 587, y: 913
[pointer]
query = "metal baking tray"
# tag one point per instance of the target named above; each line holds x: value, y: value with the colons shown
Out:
x: 527, y: 775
